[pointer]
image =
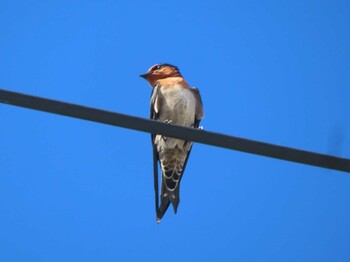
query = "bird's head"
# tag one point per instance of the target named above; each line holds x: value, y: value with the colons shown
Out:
x: 160, y: 71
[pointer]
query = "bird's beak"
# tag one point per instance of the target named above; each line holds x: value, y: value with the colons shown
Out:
x: 144, y: 75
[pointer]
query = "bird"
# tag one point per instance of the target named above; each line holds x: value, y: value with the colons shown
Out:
x: 173, y: 101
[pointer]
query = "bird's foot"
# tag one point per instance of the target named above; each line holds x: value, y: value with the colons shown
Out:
x: 167, y: 121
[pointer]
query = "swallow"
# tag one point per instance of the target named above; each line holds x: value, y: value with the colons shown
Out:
x: 173, y: 101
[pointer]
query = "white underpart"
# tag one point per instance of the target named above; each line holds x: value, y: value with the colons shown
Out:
x: 179, y: 107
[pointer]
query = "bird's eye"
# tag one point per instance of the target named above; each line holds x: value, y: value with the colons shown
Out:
x: 156, y: 67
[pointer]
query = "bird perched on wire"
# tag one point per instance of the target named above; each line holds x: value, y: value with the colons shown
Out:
x: 172, y: 101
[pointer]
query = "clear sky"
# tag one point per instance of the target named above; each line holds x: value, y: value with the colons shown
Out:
x: 273, y: 71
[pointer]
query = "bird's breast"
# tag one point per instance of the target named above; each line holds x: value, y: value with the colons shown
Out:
x: 178, y: 106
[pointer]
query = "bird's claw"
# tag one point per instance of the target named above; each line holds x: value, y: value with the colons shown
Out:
x: 167, y: 121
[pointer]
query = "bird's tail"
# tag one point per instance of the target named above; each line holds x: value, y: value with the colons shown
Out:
x: 172, y: 165
x: 168, y: 196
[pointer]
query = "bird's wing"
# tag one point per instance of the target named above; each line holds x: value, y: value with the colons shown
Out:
x: 154, y: 114
x: 199, y: 107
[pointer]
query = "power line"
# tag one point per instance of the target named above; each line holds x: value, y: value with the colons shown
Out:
x: 185, y: 133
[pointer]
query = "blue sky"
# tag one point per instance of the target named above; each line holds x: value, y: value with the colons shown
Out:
x: 273, y: 71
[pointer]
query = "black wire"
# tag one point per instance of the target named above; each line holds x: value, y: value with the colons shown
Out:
x: 185, y: 133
